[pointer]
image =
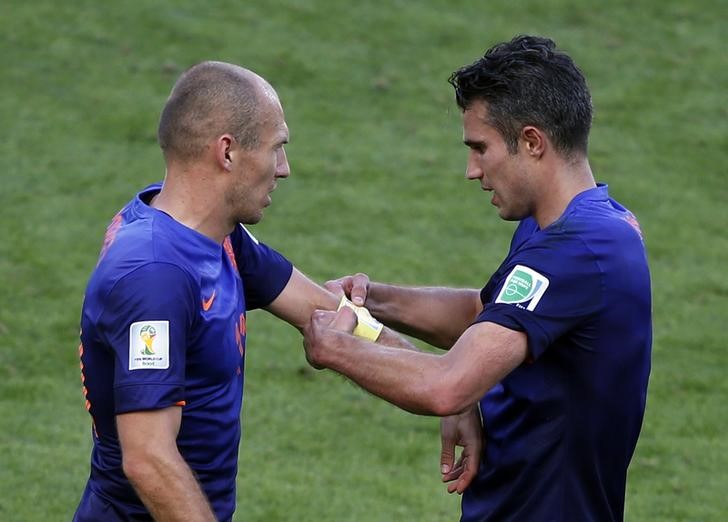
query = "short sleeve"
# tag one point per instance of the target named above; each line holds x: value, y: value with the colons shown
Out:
x: 265, y: 272
x: 544, y: 290
x: 146, y: 320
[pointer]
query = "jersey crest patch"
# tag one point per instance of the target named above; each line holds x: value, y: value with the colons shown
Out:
x: 149, y: 345
x: 523, y: 285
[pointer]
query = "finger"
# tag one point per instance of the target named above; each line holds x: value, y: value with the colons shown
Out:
x: 454, y: 473
x: 447, y: 449
x: 469, y: 473
x: 454, y: 476
x: 344, y: 320
x: 359, y: 289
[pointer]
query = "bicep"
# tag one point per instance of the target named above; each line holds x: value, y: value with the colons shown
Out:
x: 150, y: 430
x: 150, y: 457
x: 484, y: 355
x: 299, y: 299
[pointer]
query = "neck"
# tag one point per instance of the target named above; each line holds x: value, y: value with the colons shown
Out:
x: 188, y: 195
x: 567, y: 181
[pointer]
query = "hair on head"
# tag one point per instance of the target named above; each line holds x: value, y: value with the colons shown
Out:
x: 209, y: 99
x: 528, y: 81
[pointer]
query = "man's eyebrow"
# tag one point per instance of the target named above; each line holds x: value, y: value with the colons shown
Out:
x: 473, y: 144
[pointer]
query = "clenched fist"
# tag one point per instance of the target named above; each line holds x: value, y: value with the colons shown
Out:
x: 323, y: 334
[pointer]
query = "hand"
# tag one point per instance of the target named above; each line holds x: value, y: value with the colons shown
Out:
x: 354, y: 287
x: 321, y: 332
x: 465, y: 430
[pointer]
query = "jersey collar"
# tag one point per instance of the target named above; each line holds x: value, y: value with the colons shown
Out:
x: 142, y: 209
x: 598, y: 193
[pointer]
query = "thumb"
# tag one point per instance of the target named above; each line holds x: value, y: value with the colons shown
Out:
x: 345, y: 320
x: 359, y: 289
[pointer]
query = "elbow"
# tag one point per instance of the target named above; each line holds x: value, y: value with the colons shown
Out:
x: 444, y: 341
x: 140, y: 467
x: 446, y: 399
x: 135, y: 467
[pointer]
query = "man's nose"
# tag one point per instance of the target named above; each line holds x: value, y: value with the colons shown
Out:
x: 283, y: 170
x: 473, y: 169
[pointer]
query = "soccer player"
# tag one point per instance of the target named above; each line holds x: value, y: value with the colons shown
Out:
x: 554, y: 352
x: 163, y: 326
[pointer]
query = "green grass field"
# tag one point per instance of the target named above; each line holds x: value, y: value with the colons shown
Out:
x: 377, y: 185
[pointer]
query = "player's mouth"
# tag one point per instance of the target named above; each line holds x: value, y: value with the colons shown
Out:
x: 488, y: 189
x: 268, y: 198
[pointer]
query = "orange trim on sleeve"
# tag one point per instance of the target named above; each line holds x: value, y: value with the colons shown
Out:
x: 181, y: 403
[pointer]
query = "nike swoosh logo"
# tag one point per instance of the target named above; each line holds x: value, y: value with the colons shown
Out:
x: 207, y: 303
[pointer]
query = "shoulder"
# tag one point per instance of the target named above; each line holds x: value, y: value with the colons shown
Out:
x: 596, y: 245
x: 599, y: 218
x: 251, y: 252
x: 142, y: 281
x: 139, y: 243
x: 143, y: 254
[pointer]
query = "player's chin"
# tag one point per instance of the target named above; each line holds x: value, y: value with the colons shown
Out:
x: 252, y: 218
x: 510, y: 214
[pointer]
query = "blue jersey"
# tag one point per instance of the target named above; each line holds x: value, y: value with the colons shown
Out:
x: 560, y: 430
x: 163, y: 324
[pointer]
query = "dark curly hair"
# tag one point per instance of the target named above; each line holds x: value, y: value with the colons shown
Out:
x: 527, y: 81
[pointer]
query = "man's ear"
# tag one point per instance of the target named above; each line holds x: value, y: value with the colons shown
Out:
x: 534, y: 141
x: 224, y: 152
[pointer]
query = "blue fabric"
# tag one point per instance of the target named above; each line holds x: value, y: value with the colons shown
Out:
x: 155, y: 272
x: 560, y: 430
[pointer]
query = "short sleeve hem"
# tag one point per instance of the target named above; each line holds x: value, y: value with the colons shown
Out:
x: 510, y: 317
x: 146, y: 396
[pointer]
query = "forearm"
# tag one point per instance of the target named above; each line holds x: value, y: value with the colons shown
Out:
x: 302, y: 296
x: 168, y: 488
x: 408, y: 378
x: 424, y: 383
x: 299, y: 299
x: 436, y: 315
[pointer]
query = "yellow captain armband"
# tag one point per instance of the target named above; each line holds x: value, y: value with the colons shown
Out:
x: 366, y: 326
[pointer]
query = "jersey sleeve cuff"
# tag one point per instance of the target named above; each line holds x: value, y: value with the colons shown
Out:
x: 515, y: 319
x: 147, y: 397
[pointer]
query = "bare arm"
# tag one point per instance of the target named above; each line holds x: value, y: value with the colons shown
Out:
x: 419, y: 382
x: 436, y: 315
x: 154, y: 466
x: 301, y: 297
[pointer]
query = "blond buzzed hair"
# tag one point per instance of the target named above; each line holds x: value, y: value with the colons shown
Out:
x: 208, y: 100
